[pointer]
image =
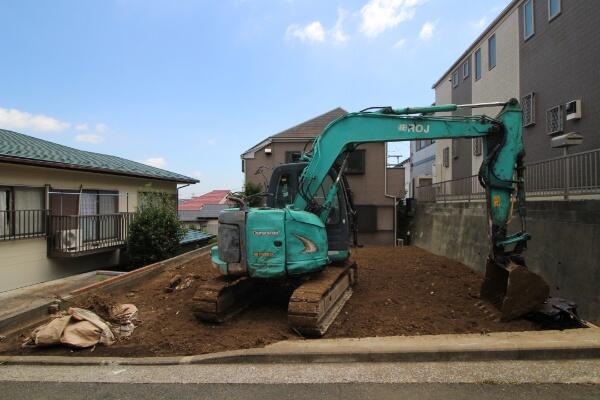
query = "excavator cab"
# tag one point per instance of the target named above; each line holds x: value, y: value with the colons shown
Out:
x: 283, y: 188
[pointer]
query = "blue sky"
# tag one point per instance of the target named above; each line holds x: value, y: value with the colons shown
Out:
x: 189, y: 85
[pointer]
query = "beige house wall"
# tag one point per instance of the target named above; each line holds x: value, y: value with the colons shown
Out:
x: 269, y: 161
x: 368, y: 188
x: 128, y: 187
x: 502, y: 82
x: 396, y: 182
x: 24, y: 262
x: 443, y: 95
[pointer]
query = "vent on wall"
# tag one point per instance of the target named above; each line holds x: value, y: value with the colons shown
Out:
x: 528, y: 106
x: 573, y: 110
x: 555, y: 120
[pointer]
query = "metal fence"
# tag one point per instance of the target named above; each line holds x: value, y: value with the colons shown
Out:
x: 71, y: 235
x: 564, y: 177
x: 21, y: 224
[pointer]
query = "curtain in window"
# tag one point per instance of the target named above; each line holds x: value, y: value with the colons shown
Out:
x: 3, y: 211
x: 29, y: 203
x: 107, y: 205
x: 88, y: 208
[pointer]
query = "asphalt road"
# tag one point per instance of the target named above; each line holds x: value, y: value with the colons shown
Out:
x: 346, y: 391
x: 545, y: 379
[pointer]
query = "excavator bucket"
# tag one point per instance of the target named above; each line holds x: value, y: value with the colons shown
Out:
x: 513, y: 289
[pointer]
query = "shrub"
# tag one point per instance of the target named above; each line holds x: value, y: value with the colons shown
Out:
x: 250, y: 189
x: 156, y: 231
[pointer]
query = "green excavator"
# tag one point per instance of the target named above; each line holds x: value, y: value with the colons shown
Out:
x: 303, y: 237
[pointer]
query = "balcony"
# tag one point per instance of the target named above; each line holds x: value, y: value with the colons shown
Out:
x: 22, y: 224
x: 78, y: 235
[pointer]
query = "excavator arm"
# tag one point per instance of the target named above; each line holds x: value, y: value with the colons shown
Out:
x: 501, y: 174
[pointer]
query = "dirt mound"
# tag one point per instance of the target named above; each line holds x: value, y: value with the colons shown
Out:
x: 400, y: 291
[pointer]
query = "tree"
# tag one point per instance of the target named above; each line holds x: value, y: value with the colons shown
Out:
x: 250, y: 190
x: 156, y: 231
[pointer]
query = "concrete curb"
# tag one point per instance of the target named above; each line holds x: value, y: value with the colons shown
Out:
x: 541, y: 345
x: 39, y: 313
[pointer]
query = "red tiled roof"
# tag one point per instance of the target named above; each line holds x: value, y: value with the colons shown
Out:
x: 213, y: 197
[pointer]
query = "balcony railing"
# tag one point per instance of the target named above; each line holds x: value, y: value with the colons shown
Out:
x: 561, y: 177
x: 76, y: 235
x: 22, y: 224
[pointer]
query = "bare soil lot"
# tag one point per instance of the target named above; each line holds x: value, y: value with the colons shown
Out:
x: 400, y: 291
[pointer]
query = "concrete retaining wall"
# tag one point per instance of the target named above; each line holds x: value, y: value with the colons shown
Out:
x: 565, y: 248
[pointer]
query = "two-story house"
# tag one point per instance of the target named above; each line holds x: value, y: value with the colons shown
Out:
x: 373, y: 184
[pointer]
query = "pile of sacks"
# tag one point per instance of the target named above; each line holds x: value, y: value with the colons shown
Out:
x: 82, y: 328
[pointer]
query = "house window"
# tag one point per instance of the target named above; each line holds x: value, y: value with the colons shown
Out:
x: 446, y: 157
x: 492, y: 52
x: 356, y: 163
x: 477, y: 146
x: 478, y: 64
x: 554, y: 9
x: 465, y: 70
x: 455, y: 79
x: 528, y: 20
x: 284, y: 194
x: 555, y: 119
x: 528, y: 106
x: 243, y: 165
x: 292, y: 156
x: 454, y: 148
x: 22, y: 212
x: 421, y: 144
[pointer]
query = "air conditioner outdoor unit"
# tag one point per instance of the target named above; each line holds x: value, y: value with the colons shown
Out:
x: 68, y: 240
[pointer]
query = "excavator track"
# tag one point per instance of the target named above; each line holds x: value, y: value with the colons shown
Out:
x: 316, y: 303
x: 222, y: 298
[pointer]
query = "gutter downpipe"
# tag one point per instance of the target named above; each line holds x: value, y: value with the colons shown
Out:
x: 385, y: 193
x: 181, y: 187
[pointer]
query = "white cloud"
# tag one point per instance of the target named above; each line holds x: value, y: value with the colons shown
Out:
x: 88, y: 135
x: 380, y: 15
x: 158, y: 162
x: 337, y: 33
x: 15, y: 119
x: 212, y: 141
x: 427, y: 30
x: 101, y: 128
x: 400, y: 43
x: 312, y: 32
x: 196, y: 174
x: 479, y: 24
x: 89, y: 138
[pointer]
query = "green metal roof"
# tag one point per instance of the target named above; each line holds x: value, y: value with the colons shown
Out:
x: 18, y: 148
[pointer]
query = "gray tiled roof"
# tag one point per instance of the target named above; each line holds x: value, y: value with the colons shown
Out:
x: 17, y: 147
x: 208, y: 211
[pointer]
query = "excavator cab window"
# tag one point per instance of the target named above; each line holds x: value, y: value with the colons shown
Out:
x: 321, y: 196
x: 283, y: 194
